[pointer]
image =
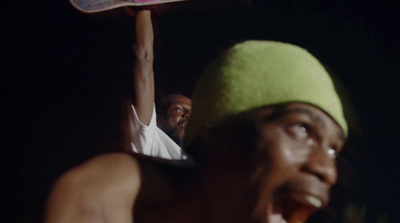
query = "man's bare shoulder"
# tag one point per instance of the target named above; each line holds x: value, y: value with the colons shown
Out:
x: 113, y: 168
x: 106, y: 182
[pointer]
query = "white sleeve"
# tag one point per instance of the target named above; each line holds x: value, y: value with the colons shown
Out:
x: 149, y: 140
x: 142, y: 136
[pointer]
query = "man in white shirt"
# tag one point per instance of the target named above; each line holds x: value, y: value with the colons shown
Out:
x: 145, y: 133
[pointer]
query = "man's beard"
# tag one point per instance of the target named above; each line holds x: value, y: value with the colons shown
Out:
x: 173, y: 134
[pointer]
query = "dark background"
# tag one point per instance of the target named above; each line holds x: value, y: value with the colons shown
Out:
x: 66, y: 74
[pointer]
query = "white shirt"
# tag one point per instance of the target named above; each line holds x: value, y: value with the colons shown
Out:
x: 151, y: 140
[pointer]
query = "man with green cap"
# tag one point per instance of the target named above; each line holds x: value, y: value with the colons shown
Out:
x: 266, y: 127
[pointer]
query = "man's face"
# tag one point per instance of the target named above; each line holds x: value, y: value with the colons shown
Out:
x: 174, y: 121
x: 292, y: 164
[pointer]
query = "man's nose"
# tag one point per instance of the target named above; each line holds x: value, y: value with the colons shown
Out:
x: 186, y: 114
x: 322, y: 165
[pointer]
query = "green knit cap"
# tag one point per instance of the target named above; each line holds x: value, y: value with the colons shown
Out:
x: 254, y: 74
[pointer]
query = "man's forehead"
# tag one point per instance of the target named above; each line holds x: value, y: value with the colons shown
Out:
x: 178, y: 99
x: 315, y: 114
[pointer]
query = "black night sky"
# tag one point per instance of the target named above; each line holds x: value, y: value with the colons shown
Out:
x: 66, y: 74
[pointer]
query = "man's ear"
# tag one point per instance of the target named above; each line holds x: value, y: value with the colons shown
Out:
x: 160, y: 120
x: 215, y: 137
x: 208, y: 139
x: 213, y: 150
x: 225, y: 147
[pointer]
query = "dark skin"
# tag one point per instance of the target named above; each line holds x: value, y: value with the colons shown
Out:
x: 302, y: 144
x: 143, y: 73
x: 173, y: 119
x: 280, y: 169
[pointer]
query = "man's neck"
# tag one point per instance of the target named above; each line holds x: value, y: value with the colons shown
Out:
x: 190, y: 195
x: 171, y: 195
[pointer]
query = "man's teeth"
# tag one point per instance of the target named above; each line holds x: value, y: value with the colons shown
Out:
x: 314, y: 201
x: 276, y: 218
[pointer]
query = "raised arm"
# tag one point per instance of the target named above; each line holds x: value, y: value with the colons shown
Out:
x: 143, y: 74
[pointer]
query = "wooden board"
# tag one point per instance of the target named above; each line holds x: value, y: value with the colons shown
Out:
x: 94, y: 6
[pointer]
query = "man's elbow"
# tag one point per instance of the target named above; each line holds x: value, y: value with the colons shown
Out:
x: 144, y: 52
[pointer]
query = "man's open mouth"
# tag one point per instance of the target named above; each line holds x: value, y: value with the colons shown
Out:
x: 292, y: 208
x: 182, y: 124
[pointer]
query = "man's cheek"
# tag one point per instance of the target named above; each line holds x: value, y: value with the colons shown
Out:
x: 173, y: 120
x: 294, y: 152
x: 264, y: 193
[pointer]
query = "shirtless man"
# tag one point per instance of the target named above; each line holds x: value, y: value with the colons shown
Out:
x: 145, y: 133
x: 265, y: 130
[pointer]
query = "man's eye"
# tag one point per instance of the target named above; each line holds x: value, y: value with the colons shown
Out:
x: 178, y: 109
x: 299, y: 131
x: 332, y: 152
